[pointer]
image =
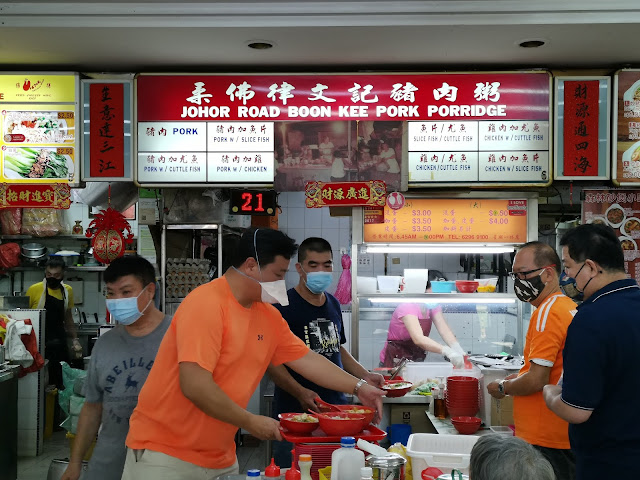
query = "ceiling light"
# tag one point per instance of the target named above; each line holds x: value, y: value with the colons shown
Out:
x: 260, y: 44
x: 445, y: 248
x: 532, y: 43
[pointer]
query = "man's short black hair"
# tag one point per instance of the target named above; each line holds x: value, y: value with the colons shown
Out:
x: 55, y: 261
x: 595, y: 242
x: 313, y: 244
x: 134, y: 265
x: 269, y: 244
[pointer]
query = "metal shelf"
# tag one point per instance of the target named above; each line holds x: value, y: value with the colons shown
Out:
x: 194, y: 226
x: 54, y: 237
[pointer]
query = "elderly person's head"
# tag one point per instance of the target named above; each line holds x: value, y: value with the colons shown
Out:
x: 501, y: 457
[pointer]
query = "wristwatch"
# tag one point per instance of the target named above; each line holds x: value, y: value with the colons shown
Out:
x: 360, y: 383
x: 501, y: 387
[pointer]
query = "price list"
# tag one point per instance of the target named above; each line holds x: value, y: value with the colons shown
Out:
x: 452, y: 220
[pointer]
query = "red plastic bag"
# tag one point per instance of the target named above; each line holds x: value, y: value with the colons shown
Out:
x: 11, y: 219
x: 9, y: 256
x: 31, y: 344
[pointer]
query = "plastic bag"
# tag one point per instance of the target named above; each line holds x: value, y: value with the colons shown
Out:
x: 401, y: 450
x: 42, y: 222
x: 11, y: 219
x: 9, y: 256
x: 69, y: 377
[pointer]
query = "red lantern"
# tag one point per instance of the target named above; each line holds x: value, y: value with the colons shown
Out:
x: 110, y: 232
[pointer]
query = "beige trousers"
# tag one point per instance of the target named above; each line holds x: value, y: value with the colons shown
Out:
x: 150, y: 465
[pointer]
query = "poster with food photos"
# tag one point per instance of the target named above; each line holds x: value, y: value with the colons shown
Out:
x: 626, y: 128
x: 619, y: 209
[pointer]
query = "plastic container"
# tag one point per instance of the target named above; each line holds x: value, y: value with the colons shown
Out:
x: 253, y: 474
x: 443, y: 287
x: 502, y: 430
x: 346, y: 461
x: 388, y: 284
x: 366, y: 473
x: 304, y: 463
x: 272, y: 471
x: 445, y: 452
x: 415, y: 280
x: 366, y: 284
x: 399, y: 433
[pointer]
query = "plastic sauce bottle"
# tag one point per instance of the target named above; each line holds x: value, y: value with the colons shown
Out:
x: 253, y: 474
x: 346, y: 461
x: 366, y: 473
x: 304, y: 462
x: 272, y: 470
x: 293, y: 473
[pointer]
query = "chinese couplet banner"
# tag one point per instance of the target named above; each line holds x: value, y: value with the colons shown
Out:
x: 581, y: 128
x: 35, y: 196
x: 106, y: 105
x: 345, y: 194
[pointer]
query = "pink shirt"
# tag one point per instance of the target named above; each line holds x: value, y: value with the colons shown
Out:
x: 397, y: 329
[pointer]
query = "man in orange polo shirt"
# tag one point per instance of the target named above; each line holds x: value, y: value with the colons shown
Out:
x: 220, y: 342
x: 536, y: 271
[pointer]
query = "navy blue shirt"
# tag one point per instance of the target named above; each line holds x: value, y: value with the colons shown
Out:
x: 321, y: 329
x: 601, y: 374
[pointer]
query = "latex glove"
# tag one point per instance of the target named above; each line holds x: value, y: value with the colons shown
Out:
x: 77, y: 348
x: 456, y: 359
x: 458, y: 349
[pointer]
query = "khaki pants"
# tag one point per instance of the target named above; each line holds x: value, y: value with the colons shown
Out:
x: 150, y: 465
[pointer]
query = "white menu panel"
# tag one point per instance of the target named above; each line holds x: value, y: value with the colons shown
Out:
x: 240, y: 136
x: 513, y: 135
x: 443, y: 167
x: 240, y: 166
x: 172, y: 137
x: 443, y: 136
x: 173, y: 167
x: 513, y: 166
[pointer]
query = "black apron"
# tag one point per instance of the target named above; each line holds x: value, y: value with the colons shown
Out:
x: 396, y: 350
x: 56, y: 350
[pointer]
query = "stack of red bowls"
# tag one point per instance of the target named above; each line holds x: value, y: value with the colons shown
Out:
x: 462, y: 396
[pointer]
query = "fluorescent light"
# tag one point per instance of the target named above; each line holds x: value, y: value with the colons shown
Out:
x: 446, y: 298
x: 445, y: 248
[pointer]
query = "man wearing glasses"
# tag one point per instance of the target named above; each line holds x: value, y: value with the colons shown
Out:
x: 536, y: 272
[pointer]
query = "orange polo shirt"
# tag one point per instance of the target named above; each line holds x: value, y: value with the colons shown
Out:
x: 236, y: 345
x: 535, y: 423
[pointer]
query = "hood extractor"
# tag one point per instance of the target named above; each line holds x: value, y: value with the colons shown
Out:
x: 96, y: 194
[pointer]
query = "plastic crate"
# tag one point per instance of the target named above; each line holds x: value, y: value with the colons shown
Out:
x: 445, y: 452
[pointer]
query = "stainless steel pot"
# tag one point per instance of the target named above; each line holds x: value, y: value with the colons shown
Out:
x: 33, y: 250
x: 58, y: 466
x: 387, y: 467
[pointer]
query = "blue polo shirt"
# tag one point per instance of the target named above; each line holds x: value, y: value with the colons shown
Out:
x: 322, y: 330
x: 602, y: 374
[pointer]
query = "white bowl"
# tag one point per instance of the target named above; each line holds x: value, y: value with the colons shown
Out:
x: 628, y: 239
x: 612, y: 208
x: 366, y: 285
x: 631, y: 232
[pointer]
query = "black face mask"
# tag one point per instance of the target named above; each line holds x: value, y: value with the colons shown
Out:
x: 53, y: 282
x: 530, y: 289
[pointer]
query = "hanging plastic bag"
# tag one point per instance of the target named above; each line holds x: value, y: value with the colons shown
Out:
x: 42, y: 222
x: 11, y: 219
x: 69, y: 377
x: 343, y: 290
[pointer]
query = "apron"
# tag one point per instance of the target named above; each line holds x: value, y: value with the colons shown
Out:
x: 395, y: 350
x: 56, y: 350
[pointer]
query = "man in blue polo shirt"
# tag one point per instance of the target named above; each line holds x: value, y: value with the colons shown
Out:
x: 598, y: 394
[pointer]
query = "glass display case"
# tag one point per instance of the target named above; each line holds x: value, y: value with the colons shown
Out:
x: 492, y: 321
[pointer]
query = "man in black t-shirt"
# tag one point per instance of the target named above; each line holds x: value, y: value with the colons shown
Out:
x: 314, y: 315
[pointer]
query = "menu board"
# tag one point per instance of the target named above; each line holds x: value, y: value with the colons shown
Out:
x: 626, y: 128
x: 38, y: 114
x: 205, y: 152
x: 487, y: 151
x: 620, y: 209
x: 452, y: 220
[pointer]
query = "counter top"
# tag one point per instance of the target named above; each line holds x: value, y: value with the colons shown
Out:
x: 444, y: 426
x: 425, y: 399
x: 7, y: 372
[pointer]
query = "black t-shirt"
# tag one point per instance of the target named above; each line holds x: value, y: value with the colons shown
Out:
x: 601, y: 375
x: 321, y: 329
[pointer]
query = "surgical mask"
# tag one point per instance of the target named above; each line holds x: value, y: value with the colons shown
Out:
x: 317, y: 282
x: 53, y: 282
x: 568, y: 287
x: 125, y: 310
x: 530, y: 289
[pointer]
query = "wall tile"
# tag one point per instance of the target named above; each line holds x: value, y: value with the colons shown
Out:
x: 313, y: 217
x: 295, y: 217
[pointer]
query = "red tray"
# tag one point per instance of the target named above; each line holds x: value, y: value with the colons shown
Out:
x: 370, y: 433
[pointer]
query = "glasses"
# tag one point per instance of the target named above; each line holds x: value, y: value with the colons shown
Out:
x: 523, y: 275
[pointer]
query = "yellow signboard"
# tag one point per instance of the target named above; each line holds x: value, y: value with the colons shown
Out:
x: 37, y: 88
x: 452, y: 220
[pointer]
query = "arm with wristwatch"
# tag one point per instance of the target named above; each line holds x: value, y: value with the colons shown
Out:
x: 526, y: 384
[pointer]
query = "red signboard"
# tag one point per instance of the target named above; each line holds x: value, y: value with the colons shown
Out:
x: 507, y: 96
x: 106, y: 109
x: 23, y: 195
x: 345, y: 194
x: 581, y: 128
x: 373, y: 215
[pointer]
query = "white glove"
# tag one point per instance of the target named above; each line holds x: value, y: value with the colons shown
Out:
x: 456, y: 358
x: 458, y: 349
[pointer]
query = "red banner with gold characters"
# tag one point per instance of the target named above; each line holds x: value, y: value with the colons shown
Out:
x: 581, y: 128
x: 106, y: 105
x: 24, y: 195
x: 345, y: 194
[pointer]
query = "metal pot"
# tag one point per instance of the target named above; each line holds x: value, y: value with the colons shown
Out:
x: 33, y: 250
x: 58, y: 466
x: 387, y: 467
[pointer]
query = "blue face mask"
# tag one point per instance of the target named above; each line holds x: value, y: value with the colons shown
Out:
x: 317, y: 282
x: 125, y: 310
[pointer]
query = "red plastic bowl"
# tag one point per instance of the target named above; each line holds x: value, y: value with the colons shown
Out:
x: 399, y: 391
x: 297, y: 427
x: 466, y: 425
x: 341, y: 424
x: 369, y: 412
x: 467, y: 286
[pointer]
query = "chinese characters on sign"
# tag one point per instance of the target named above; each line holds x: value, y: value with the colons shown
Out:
x: 106, y: 106
x: 342, y: 194
x: 39, y: 196
x: 581, y: 128
x: 452, y: 220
